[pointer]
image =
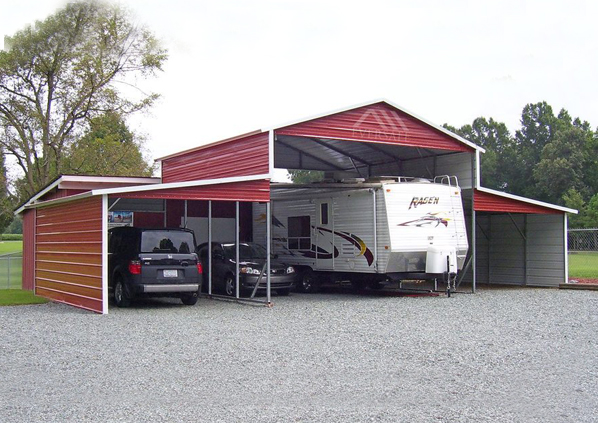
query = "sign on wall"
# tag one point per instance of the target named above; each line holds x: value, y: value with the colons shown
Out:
x: 120, y: 218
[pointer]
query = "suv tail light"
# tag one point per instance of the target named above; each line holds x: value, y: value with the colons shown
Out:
x: 199, y: 268
x: 135, y: 267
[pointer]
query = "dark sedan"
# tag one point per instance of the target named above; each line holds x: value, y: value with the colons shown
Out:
x: 252, y: 259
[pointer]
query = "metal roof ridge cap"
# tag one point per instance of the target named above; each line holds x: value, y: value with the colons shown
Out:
x: 183, y: 184
x: 526, y: 200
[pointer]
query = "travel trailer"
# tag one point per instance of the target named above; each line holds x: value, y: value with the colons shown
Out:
x: 367, y: 231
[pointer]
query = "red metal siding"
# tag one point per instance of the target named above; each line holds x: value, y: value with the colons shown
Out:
x: 68, y: 256
x: 61, y: 193
x: 149, y: 219
x: 238, y: 191
x: 29, y: 250
x: 484, y: 201
x: 376, y: 123
x: 238, y: 157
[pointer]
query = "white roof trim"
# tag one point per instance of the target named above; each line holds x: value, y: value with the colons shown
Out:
x: 526, y: 200
x: 83, y: 178
x: 56, y: 201
x: 369, y: 103
x: 173, y: 185
x: 139, y: 188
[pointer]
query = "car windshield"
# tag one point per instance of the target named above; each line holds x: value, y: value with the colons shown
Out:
x: 180, y: 242
x: 246, y: 251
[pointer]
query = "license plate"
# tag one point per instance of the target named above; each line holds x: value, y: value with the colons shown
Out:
x: 170, y: 274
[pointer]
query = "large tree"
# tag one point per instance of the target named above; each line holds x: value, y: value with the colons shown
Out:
x: 6, y: 214
x: 109, y: 148
x: 59, y: 74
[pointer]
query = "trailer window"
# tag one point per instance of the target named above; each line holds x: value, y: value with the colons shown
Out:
x: 299, y: 233
x: 324, y: 214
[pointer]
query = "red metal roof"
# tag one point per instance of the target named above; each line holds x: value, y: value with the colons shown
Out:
x: 377, y: 123
x: 248, y: 155
x: 494, y: 202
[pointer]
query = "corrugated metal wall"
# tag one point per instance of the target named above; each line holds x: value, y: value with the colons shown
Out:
x: 68, y: 256
x: 376, y: 123
x: 238, y: 157
x: 238, y: 191
x: 534, y: 257
x: 546, y: 250
x: 29, y: 249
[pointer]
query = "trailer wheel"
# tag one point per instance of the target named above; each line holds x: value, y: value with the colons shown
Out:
x: 308, y: 283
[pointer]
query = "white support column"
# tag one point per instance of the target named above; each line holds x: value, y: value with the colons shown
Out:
x: 237, y: 258
x: 104, y: 254
x: 185, y: 217
x: 271, y: 153
x: 268, y: 248
x: 566, y: 247
x: 210, y: 247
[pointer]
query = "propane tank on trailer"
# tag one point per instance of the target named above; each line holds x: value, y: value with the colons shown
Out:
x: 437, y: 257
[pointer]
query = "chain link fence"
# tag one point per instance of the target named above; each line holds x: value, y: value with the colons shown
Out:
x: 583, y: 253
x: 11, y: 271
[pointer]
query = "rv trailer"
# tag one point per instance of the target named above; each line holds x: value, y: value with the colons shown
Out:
x: 390, y: 228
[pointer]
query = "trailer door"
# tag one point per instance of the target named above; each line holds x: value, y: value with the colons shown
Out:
x: 324, y: 235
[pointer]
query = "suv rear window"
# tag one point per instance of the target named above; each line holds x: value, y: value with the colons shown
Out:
x: 167, y: 242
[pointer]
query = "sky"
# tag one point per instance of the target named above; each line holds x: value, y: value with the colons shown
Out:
x: 237, y: 66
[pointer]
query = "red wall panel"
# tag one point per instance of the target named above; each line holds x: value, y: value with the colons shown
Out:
x: 378, y: 122
x: 29, y: 250
x: 68, y: 253
x: 237, y: 157
x: 149, y: 219
x: 239, y: 191
x: 484, y: 201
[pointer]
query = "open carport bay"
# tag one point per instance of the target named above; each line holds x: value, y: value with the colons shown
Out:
x: 510, y: 354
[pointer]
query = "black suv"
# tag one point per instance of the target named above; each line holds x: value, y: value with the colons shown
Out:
x: 153, y: 263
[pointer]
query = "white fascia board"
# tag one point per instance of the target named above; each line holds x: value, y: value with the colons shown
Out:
x: 369, y: 103
x: 38, y: 195
x: 58, y: 200
x: 109, y: 179
x: 174, y: 185
x: 527, y: 200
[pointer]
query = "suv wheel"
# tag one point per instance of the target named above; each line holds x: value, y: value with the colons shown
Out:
x: 120, y: 294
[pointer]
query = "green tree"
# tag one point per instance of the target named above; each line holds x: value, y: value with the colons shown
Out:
x: 6, y: 214
x: 305, y: 176
x: 62, y: 72
x: 108, y: 148
x: 498, y: 142
x: 574, y: 200
x: 561, y: 166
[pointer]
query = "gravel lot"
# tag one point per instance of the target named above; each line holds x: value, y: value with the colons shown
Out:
x: 501, y: 355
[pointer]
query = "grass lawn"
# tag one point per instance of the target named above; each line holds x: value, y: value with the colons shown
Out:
x: 9, y: 297
x: 583, y: 265
x: 7, y: 247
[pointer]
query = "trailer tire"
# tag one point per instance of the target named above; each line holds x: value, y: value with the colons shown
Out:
x: 308, y: 283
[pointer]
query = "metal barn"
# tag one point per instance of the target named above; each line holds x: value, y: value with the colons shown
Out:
x: 517, y: 240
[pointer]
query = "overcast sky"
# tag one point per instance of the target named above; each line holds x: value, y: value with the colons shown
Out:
x: 236, y: 66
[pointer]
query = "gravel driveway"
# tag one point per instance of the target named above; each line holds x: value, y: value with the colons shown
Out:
x: 501, y: 355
